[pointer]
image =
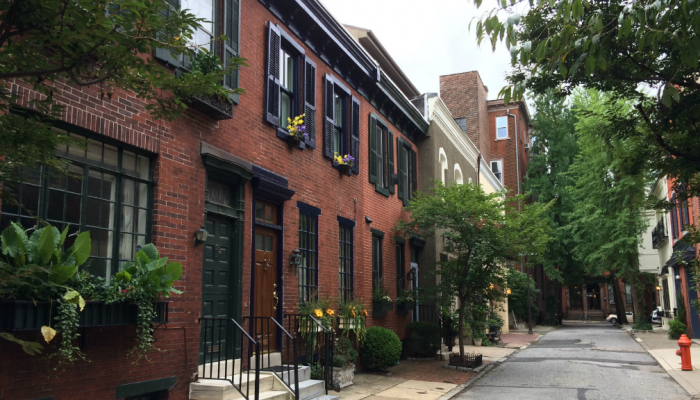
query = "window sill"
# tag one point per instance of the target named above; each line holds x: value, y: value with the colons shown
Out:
x: 504, y: 138
x: 284, y: 135
x: 344, y: 169
x: 382, y: 190
x: 212, y: 107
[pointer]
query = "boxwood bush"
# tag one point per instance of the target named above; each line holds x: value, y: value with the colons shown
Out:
x: 423, y: 339
x: 381, y: 349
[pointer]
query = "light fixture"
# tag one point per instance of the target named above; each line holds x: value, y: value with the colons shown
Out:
x: 508, y: 291
x: 200, y: 236
x: 658, y: 288
x: 594, y: 296
x: 678, y: 277
x: 295, y: 260
x: 368, y: 219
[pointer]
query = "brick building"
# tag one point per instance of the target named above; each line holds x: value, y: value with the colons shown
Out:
x: 234, y: 171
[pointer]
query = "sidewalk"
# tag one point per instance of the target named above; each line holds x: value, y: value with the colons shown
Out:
x: 663, y: 349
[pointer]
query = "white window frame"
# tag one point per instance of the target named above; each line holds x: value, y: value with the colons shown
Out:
x: 459, y: 177
x: 500, y: 169
x: 498, y: 127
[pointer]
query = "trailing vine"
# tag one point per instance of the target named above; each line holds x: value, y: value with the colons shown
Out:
x: 66, y: 352
x: 144, y: 332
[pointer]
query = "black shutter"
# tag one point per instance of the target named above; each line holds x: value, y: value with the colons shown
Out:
x: 231, y: 47
x: 310, y: 102
x: 390, y: 163
x: 372, y: 156
x: 162, y: 53
x: 355, y: 135
x: 401, y: 170
x: 328, y: 117
x: 272, y: 101
x: 414, y: 175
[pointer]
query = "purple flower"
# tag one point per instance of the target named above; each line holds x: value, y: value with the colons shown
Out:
x: 302, y: 128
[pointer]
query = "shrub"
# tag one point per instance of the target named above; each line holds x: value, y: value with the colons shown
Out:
x: 423, y: 339
x: 676, y: 329
x: 381, y: 348
x: 642, y: 326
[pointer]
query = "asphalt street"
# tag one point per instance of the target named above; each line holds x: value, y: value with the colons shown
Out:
x: 582, y: 362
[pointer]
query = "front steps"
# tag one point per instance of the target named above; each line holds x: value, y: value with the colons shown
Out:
x: 271, y: 386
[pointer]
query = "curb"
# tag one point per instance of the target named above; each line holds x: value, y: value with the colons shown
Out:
x: 460, y: 388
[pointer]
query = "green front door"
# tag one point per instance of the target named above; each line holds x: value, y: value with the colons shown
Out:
x: 218, y: 290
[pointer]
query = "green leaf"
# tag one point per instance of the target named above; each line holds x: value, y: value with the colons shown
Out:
x: 123, y: 276
x: 626, y: 27
x: 45, y: 246
x: 81, y: 248
x: 31, y: 348
x: 64, y: 234
x: 10, y: 242
x: 61, y: 273
x: 577, y: 9
x: 150, y: 251
x: 590, y: 65
x: 562, y: 68
x: 174, y: 269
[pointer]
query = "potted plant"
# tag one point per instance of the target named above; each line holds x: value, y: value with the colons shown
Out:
x: 405, y: 302
x: 352, y: 316
x: 344, y: 356
x: 217, y: 106
x: 381, y: 302
x: 344, y: 163
x: 297, y: 130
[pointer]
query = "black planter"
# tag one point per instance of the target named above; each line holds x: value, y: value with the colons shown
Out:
x: 26, y: 315
x: 378, y: 310
x: 404, y: 307
x: 212, y: 107
x: 388, y: 306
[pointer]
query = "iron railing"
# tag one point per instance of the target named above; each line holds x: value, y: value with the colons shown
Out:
x: 470, y: 360
x: 658, y: 234
x: 265, y: 329
x: 225, y: 333
x: 317, y: 349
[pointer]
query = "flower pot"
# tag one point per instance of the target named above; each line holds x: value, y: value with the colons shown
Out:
x: 404, y: 307
x: 378, y: 309
x: 345, y: 168
x: 477, y: 342
x: 342, y: 377
x: 346, y: 323
x: 387, y: 305
x: 212, y: 106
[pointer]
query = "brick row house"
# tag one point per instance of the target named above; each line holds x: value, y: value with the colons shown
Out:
x: 232, y: 170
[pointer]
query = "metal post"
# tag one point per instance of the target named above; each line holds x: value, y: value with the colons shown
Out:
x: 529, y: 307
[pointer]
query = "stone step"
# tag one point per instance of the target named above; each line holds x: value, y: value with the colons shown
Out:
x: 219, y: 389
x: 273, y: 360
x: 326, y: 397
x: 310, y: 389
x: 288, y: 376
x: 220, y: 368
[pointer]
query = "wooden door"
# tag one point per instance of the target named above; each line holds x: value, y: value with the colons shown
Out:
x: 266, y: 290
x: 217, y: 286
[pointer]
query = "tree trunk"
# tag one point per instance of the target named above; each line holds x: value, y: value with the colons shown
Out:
x: 460, y: 341
x: 637, y: 296
x: 617, y: 295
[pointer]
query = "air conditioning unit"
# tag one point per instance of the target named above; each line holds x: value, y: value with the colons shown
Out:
x: 527, y: 146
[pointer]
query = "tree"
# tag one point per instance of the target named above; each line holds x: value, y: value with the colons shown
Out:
x: 646, y: 51
x: 480, y: 231
x: 553, y: 152
x: 54, y: 45
x: 608, y: 193
x: 518, y: 299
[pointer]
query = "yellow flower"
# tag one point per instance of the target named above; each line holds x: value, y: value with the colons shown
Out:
x: 353, y: 313
x: 318, y: 313
x: 330, y: 312
x: 364, y: 312
x: 289, y: 120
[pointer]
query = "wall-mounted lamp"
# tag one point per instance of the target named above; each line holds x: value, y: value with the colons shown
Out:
x: 200, y: 236
x: 295, y: 260
x: 411, y: 275
x: 594, y: 296
x: 368, y: 219
x: 508, y: 291
x: 678, y: 277
x: 658, y: 288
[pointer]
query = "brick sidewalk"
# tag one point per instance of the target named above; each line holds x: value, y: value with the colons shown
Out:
x: 429, y: 371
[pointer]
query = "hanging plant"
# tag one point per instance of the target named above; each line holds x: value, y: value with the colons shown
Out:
x: 297, y: 129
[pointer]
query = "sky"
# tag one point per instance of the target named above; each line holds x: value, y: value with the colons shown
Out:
x: 428, y: 38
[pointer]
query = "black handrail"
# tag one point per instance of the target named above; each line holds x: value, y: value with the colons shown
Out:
x: 253, y: 348
x: 290, y: 361
x: 312, y: 329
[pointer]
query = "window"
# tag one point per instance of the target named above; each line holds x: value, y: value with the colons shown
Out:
x: 288, y: 77
x: 201, y: 9
x: 227, y: 24
x: 381, y: 156
x: 443, y: 164
x: 674, y: 217
x: 408, y: 178
x: 502, y: 128
x: 284, y: 85
x: 667, y: 299
x: 458, y: 175
x: 611, y: 294
x: 497, y: 169
x: 341, y: 128
x: 400, y: 268
x: 462, y: 122
x: 308, y: 242
x: 345, y: 261
x: 377, y: 262
x: 107, y: 191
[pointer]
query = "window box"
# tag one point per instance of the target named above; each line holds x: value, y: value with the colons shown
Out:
x: 404, y: 307
x: 26, y: 315
x: 213, y: 107
x: 378, y: 310
x: 344, y: 169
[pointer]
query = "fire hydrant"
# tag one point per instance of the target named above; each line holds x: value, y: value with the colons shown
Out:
x: 684, y: 352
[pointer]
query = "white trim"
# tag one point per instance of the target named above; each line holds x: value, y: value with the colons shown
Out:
x: 507, y: 136
x: 442, y: 160
x: 460, y: 180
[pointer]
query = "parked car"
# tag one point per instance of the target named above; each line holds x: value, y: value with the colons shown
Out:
x: 612, y: 318
x: 656, y: 316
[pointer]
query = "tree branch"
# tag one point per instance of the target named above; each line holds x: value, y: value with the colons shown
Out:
x: 662, y: 143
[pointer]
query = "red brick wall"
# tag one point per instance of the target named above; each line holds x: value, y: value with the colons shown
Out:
x: 179, y: 211
x: 465, y: 95
x: 504, y: 149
